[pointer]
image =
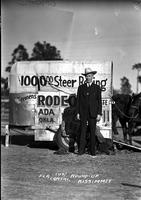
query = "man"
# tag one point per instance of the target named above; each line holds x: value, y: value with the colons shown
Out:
x: 89, y: 111
x: 69, y: 126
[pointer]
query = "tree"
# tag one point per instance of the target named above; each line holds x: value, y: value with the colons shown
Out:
x: 44, y: 51
x: 41, y: 51
x: 4, y: 82
x: 125, y: 86
x: 139, y: 79
x: 138, y: 68
x: 19, y: 54
x: 4, y: 87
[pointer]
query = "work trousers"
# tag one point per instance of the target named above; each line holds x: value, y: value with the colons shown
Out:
x: 83, y: 135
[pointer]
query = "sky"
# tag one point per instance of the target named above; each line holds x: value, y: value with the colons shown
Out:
x: 81, y: 30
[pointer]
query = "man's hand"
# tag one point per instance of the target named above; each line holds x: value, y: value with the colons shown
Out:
x: 98, y: 118
x: 78, y: 116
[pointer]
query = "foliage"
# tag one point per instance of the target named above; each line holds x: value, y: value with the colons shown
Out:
x: 4, y: 83
x: 19, y: 54
x: 139, y: 79
x: 4, y: 87
x: 125, y: 86
x: 41, y: 51
x: 44, y: 51
x: 137, y: 66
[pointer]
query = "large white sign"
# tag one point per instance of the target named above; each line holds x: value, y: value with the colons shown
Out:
x: 58, y: 76
x: 52, y: 82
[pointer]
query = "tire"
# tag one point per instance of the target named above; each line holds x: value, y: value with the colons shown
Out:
x: 63, y: 142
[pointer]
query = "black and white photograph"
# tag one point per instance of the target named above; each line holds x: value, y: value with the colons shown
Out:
x: 70, y: 100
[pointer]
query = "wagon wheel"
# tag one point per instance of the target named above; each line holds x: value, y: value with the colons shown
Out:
x: 63, y: 141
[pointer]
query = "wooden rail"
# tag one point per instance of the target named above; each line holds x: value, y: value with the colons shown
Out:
x: 5, y: 110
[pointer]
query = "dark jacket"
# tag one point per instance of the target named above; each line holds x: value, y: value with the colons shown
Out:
x: 89, y: 101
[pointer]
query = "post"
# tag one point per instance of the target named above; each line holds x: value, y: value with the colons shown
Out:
x: 137, y: 81
x: 6, y: 136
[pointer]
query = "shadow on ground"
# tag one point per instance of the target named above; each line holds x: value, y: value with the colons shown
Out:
x: 24, y: 140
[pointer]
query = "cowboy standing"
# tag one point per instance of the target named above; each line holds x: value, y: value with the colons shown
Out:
x: 89, y: 111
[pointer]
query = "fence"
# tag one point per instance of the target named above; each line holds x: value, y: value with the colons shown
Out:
x: 4, y: 111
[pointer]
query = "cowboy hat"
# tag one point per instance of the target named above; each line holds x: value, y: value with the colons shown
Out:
x: 89, y: 71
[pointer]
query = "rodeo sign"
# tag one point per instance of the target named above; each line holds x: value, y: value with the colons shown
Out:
x: 39, y: 90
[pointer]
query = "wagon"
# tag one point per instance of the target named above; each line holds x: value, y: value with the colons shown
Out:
x: 38, y: 94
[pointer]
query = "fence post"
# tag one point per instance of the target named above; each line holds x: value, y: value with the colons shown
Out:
x: 7, y: 136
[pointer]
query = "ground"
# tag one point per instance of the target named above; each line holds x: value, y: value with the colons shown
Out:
x: 35, y: 172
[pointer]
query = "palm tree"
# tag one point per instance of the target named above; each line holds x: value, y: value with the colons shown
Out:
x: 138, y: 68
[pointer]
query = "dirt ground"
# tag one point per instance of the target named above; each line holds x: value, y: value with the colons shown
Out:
x: 35, y: 172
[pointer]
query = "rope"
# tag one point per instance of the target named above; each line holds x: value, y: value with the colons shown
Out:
x: 55, y: 87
